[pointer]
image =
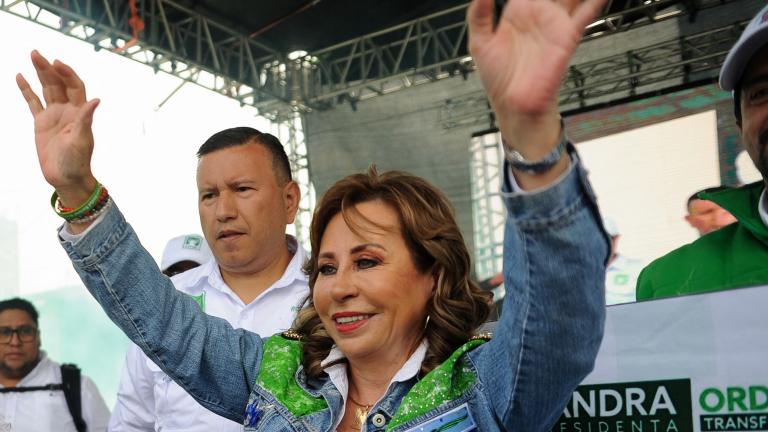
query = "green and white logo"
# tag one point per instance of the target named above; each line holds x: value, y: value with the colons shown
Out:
x: 192, y: 242
x: 647, y: 406
x: 734, y: 408
x: 199, y: 299
x: 621, y: 279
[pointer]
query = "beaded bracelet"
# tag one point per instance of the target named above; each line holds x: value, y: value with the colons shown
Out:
x: 97, y: 197
x: 93, y: 215
x: 102, y: 202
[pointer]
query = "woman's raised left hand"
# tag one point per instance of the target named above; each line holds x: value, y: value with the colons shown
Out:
x: 522, y: 61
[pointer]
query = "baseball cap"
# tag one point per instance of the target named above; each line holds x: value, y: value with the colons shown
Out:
x: 754, y: 37
x: 192, y: 247
x: 610, y: 227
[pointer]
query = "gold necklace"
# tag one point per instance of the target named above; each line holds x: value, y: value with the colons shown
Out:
x: 360, y: 413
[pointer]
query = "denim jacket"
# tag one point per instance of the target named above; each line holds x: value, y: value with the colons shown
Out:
x: 555, y: 252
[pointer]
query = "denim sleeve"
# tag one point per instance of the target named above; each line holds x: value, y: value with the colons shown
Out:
x: 546, y: 341
x: 214, y: 363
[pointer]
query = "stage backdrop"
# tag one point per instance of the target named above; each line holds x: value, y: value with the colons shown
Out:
x: 691, y: 363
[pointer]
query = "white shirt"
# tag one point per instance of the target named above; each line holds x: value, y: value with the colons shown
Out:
x: 47, y: 410
x: 621, y: 280
x: 338, y: 376
x: 149, y: 400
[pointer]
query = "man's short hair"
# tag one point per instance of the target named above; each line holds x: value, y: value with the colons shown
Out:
x: 737, y: 102
x: 238, y: 136
x: 707, y: 190
x: 17, y: 303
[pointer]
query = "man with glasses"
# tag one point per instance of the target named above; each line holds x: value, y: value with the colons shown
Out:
x: 31, y: 394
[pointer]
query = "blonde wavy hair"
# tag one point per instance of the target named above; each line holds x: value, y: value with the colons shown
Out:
x: 428, y: 225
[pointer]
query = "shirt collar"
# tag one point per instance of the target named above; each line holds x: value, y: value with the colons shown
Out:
x: 295, y: 269
x: 338, y: 373
x: 293, y: 272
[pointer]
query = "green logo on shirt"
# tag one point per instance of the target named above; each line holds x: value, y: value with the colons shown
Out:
x: 200, y: 300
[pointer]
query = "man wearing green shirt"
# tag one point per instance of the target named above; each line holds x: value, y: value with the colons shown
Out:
x: 736, y: 255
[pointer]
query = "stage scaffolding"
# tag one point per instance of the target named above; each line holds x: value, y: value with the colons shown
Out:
x: 286, y: 87
x: 290, y: 131
x: 192, y: 46
x: 488, y: 213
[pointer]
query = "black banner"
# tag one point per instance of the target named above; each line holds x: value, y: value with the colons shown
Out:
x: 647, y: 406
x: 735, y: 422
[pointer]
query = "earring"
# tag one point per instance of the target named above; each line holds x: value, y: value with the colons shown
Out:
x: 425, y: 324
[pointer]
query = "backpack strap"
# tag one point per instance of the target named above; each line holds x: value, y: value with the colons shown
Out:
x: 70, y: 381
x: 29, y: 389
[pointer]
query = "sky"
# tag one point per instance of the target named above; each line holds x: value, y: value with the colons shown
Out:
x: 145, y: 157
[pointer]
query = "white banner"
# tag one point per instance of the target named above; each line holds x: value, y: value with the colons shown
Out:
x: 691, y: 363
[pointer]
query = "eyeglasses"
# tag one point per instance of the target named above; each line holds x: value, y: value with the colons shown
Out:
x: 26, y: 334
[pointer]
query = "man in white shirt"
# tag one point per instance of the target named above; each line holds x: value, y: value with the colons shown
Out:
x: 622, y: 272
x: 255, y: 280
x: 31, y: 397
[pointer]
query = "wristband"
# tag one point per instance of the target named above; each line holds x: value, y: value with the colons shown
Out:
x: 538, y: 166
x: 62, y: 209
x: 84, y: 209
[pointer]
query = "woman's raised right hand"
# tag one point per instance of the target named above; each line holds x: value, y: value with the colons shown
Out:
x: 63, y: 135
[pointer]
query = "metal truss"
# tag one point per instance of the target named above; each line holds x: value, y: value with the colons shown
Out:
x: 197, y: 49
x: 175, y: 40
x: 425, y: 50
x: 697, y: 55
x: 662, y: 65
x: 420, y: 51
x: 290, y: 131
x: 621, y: 15
x: 212, y: 54
x: 488, y: 212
